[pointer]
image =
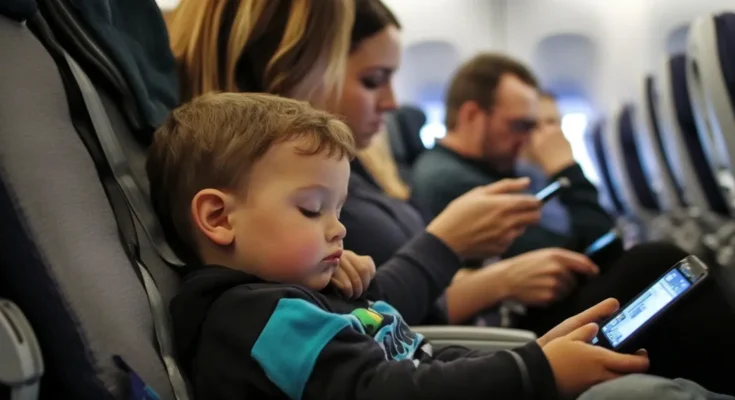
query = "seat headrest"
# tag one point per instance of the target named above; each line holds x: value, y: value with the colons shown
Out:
x: 18, y: 10
x: 410, y: 121
x: 133, y: 38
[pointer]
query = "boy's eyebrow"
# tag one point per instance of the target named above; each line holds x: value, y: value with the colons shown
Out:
x: 322, y: 189
x: 317, y: 187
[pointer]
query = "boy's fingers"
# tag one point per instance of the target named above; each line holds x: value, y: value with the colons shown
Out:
x: 584, y: 333
x: 367, y: 268
x: 340, y: 280
x: 625, y: 363
x: 354, y: 278
x: 597, y: 312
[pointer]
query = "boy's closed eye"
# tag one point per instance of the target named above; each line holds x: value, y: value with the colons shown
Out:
x: 309, y: 213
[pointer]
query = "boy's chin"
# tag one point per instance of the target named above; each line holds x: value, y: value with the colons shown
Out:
x: 320, y: 281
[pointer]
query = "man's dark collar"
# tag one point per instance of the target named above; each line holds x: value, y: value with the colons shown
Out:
x: 476, y: 163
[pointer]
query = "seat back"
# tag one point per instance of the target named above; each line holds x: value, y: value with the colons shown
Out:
x: 134, y: 72
x: 601, y: 156
x: 711, y: 82
x: 670, y: 194
x: 682, y: 143
x: 397, y: 146
x: 62, y: 259
x: 410, y: 121
x: 64, y: 224
x: 638, y: 177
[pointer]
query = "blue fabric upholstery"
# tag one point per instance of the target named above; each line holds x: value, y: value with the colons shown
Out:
x: 687, y: 125
x: 631, y: 155
x: 652, y: 107
x: 600, y: 152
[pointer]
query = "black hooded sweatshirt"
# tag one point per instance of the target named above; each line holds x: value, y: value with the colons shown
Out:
x: 239, y: 337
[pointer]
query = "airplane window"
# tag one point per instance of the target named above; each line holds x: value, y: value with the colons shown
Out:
x: 434, y: 128
x: 574, y: 126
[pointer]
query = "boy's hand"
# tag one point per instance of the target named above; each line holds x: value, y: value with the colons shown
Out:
x: 354, y: 274
x: 577, y: 365
x: 595, y: 313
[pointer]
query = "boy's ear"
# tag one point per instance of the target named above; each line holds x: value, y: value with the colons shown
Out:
x: 210, y: 211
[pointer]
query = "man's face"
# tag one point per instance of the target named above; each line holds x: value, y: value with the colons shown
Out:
x: 509, y: 123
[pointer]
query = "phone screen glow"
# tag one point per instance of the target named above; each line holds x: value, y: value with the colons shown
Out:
x: 645, y: 306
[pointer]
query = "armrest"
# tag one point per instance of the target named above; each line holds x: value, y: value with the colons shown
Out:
x: 476, y: 338
x: 21, y: 364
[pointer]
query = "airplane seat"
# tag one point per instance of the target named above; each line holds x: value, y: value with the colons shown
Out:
x: 696, y: 148
x: 397, y: 146
x: 677, y: 223
x: 68, y: 252
x: 671, y: 193
x: 638, y: 178
x: 711, y: 80
x: 601, y: 158
x: 410, y: 121
x: 683, y: 142
x: 134, y: 74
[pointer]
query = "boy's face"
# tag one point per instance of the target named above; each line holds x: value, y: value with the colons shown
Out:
x: 286, y: 228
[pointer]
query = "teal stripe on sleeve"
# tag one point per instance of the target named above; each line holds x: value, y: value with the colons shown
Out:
x: 292, y: 340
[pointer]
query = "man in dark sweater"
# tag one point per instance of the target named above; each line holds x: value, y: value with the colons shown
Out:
x: 253, y: 185
x: 492, y: 116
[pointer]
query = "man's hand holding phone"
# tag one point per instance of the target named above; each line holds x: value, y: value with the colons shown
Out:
x: 578, y: 365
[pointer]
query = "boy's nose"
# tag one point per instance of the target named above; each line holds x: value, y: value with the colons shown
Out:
x: 337, y: 232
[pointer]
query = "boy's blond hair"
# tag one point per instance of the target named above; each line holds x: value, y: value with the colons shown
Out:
x: 213, y: 141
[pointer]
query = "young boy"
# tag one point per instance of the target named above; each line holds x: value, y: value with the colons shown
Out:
x: 253, y: 186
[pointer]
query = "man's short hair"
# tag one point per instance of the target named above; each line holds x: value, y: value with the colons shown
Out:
x: 214, y: 140
x: 478, y: 79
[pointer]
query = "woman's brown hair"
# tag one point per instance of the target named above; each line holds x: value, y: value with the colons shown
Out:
x: 292, y: 48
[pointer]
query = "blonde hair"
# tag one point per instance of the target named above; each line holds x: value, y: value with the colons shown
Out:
x: 306, y: 60
x: 213, y: 141
x: 379, y: 162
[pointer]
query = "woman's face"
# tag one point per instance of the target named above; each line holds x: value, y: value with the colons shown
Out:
x: 368, y: 88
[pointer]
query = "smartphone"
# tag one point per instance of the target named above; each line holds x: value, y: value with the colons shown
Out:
x: 606, y: 248
x: 621, y: 331
x: 553, y: 189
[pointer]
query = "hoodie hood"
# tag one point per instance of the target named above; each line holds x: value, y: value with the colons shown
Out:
x: 201, y: 288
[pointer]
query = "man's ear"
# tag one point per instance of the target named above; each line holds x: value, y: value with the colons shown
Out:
x: 468, y: 114
x: 210, y: 210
